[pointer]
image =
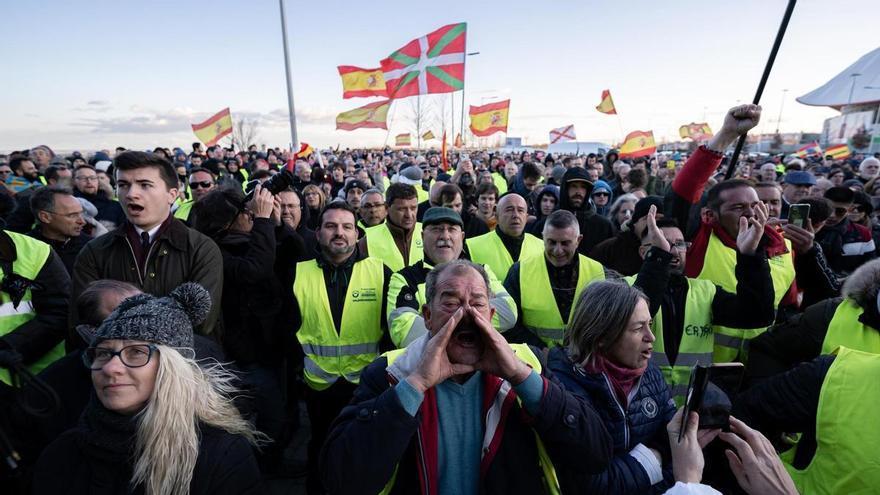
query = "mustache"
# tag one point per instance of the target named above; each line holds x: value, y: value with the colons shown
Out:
x: 443, y: 244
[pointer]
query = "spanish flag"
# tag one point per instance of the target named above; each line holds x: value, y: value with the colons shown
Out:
x: 305, y: 149
x: 428, y: 136
x: 372, y: 116
x: 607, y: 104
x: 444, y: 162
x: 215, y: 128
x: 361, y: 82
x: 489, y: 119
x: 696, y: 132
x: 458, y: 142
x: 838, y: 152
x: 638, y: 143
x: 402, y: 139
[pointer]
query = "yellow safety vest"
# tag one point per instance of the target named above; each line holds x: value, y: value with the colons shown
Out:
x: 719, y: 267
x: 381, y: 245
x: 489, y: 250
x: 696, y: 342
x: 525, y: 354
x: 847, y: 460
x: 540, y: 314
x: 30, y: 257
x: 402, y: 320
x: 500, y: 182
x: 332, y: 354
x: 845, y: 329
x: 421, y: 194
x: 183, y: 211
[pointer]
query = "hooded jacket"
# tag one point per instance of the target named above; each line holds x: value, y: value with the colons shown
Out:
x: 594, y: 228
x: 601, y: 185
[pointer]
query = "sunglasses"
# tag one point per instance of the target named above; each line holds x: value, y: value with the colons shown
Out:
x: 601, y: 194
x: 204, y: 185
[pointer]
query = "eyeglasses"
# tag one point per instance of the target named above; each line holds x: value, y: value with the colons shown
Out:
x: 372, y: 206
x: 91, y: 178
x: 132, y: 356
x: 70, y: 216
x: 203, y: 185
x: 839, y: 212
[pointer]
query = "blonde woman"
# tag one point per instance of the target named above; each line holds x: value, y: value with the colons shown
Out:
x: 315, y: 200
x: 157, y: 423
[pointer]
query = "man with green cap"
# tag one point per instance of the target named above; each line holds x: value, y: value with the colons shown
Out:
x: 442, y: 237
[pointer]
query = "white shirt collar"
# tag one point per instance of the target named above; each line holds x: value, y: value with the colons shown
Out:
x: 152, y: 232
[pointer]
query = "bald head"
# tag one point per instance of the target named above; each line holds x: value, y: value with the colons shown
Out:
x: 512, y: 214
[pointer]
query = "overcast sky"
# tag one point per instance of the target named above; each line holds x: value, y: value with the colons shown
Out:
x: 98, y: 74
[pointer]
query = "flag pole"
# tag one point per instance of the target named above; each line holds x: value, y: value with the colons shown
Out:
x: 770, y: 60
x: 463, y: 72
x: 293, y: 137
x: 388, y: 124
x: 419, y: 121
x: 452, y: 114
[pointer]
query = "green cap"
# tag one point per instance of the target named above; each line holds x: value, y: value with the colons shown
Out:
x: 441, y: 214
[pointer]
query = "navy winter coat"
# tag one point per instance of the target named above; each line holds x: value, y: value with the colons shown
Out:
x: 644, y: 421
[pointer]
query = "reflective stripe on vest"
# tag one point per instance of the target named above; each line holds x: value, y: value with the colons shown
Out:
x: 719, y: 267
x: 525, y: 354
x: 846, y: 460
x: 696, y: 343
x: 489, y: 250
x: 30, y: 257
x: 329, y: 354
x: 846, y: 330
x: 381, y: 245
x: 540, y: 314
x: 182, y: 213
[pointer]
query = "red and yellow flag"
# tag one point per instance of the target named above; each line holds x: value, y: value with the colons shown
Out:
x: 458, y: 143
x: 369, y: 116
x: 428, y: 136
x: 838, y: 152
x: 489, y: 119
x: 305, y: 149
x: 358, y: 82
x: 403, y: 139
x: 607, y: 104
x: 696, y: 132
x: 638, y: 143
x: 215, y: 128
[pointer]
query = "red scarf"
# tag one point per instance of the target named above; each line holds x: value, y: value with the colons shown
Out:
x: 773, y: 243
x: 622, y: 379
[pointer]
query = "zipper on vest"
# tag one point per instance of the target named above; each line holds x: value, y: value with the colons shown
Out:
x: 622, y: 411
x: 425, y: 490
x: 134, y: 258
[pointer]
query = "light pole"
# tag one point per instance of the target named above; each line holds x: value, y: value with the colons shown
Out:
x: 294, y: 141
x: 781, y: 105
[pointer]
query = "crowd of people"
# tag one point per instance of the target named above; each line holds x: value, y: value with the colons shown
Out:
x: 484, y: 322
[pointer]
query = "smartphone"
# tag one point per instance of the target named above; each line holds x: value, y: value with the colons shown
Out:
x: 709, y: 393
x: 798, y: 214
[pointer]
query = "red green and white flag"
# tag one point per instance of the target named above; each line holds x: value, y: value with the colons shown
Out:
x: 433, y: 63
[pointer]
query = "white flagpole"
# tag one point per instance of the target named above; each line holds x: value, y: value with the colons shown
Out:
x: 293, y: 137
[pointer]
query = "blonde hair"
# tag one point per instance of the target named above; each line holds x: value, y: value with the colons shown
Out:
x: 316, y: 189
x: 167, y: 439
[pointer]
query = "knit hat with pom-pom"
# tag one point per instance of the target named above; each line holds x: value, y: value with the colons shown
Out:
x: 160, y: 320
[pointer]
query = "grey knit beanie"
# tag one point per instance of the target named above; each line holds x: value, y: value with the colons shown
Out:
x: 160, y: 320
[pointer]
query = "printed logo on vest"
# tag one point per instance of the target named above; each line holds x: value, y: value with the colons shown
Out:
x: 701, y: 331
x: 363, y: 295
x: 649, y: 407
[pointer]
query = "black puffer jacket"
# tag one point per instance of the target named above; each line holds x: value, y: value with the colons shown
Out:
x: 595, y: 228
x: 644, y: 422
